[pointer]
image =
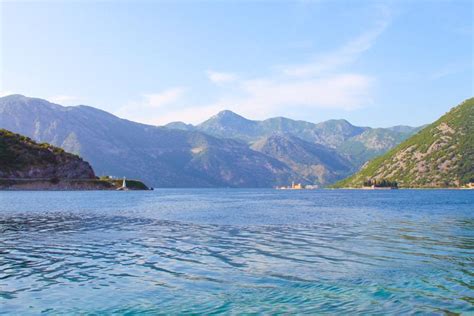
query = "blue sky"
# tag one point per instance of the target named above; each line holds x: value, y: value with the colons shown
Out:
x: 374, y: 63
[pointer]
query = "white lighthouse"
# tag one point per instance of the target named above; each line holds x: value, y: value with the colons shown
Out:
x: 124, y: 185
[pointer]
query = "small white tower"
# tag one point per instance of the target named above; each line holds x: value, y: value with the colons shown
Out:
x: 124, y: 184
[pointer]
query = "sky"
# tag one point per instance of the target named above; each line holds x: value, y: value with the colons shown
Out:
x: 374, y: 63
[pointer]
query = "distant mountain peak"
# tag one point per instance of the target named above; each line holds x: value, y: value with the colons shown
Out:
x: 228, y: 114
x: 340, y: 122
x: 226, y: 118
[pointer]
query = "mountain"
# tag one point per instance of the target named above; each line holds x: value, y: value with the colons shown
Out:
x: 405, y: 129
x: 314, y: 163
x: 157, y: 155
x: 22, y: 158
x: 358, y: 144
x: 231, y: 125
x: 227, y: 150
x: 227, y: 124
x: 440, y: 155
x: 373, y: 142
x: 311, y: 162
x: 180, y: 125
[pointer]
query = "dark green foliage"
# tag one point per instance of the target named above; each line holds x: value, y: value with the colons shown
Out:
x: 384, y: 183
x: 19, y: 155
x: 17, y: 151
x: 131, y: 184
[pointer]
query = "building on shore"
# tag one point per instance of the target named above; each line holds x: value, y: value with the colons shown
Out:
x: 294, y: 186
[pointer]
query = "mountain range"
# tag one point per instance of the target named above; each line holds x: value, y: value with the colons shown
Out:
x: 227, y: 150
x: 440, y: 155
x: 356, y: 143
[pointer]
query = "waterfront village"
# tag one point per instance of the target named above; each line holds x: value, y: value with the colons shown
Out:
x: 298, y: 186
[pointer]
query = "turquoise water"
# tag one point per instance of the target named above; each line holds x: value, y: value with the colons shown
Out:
x: 237, y: 251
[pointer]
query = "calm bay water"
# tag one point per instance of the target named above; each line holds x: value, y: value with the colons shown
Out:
x: 237, y: 251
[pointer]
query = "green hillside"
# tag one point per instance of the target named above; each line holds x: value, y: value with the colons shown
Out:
x: 21, y: 157
x: 27, y: 165
x: 440, y: 155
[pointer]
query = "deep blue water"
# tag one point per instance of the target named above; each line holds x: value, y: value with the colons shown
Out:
x: 237, y: 251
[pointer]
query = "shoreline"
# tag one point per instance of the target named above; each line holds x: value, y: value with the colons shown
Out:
x: 67, y: 185
x: 71, y: 186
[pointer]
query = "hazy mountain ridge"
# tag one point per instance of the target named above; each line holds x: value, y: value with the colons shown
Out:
x: 359, y: 144
x: 182, y: 155
x: 157, y: 155
x: 373, y: 142
x: 313, y: 162
x: 440, y: 155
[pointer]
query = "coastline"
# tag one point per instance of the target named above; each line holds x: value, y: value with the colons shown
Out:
x: 66, y: 185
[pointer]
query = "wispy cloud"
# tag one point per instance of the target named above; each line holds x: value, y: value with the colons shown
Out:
x: 346, y: 54
x: 344, y: 91
x: 263, y: 97
x: 322, y: 82
x: 221, y: 77
x: 157, y: 100
x: 145, y: 109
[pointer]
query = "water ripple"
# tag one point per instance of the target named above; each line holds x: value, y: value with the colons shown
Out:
x: 132, y: 260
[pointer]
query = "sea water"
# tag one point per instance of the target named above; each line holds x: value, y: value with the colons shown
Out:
x: 237, y: 251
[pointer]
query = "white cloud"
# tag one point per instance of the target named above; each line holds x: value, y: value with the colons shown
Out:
x: 221, y: 77
x: 344, y: 91
x: 157, y: 100
x: 323, y: 82
x: 264, y: 97
x: 152, y: 106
